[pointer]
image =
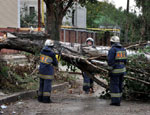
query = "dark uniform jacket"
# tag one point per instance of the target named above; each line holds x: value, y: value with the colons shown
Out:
x: 47, y: 61
x: 117, y: 59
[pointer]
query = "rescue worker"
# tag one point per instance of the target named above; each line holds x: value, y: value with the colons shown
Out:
x: 46, y: 71
x: 88, y: 82
x: 117, y: 59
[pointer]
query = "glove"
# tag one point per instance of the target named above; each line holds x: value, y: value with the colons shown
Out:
x: 110, y: 68
x: 58, y: 57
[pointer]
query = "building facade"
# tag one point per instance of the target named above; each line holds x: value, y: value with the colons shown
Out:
x: 9, y: 13
x: 76, y: 17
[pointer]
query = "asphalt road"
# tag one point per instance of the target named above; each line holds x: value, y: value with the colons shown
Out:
x: 75, y: 102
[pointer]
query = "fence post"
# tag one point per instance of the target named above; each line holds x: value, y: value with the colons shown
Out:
x: 77, y: 37
x: 69, y: 36
x: 81, y: 37
x: 64, y: 35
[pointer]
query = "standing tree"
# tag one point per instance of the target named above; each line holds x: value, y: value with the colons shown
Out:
x: 145, y: 8
x: 126, y: 31
x: 56, y: 10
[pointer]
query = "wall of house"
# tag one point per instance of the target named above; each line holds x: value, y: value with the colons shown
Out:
x: 9, y: 13
x: 76, y: 17
x: 79, y: 15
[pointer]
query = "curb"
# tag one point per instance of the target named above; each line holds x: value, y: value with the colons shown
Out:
x: 29, y: 94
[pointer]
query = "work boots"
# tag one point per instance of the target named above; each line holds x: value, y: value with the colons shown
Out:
x: 40, y: 98
x: 46, y: 99
x: 115, y: 104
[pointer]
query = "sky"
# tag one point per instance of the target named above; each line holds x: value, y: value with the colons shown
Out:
x: 123, y: 4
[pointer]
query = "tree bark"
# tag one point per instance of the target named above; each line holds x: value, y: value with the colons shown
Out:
x: 127, y: 22
x: 22, y: 45
x: 53, y: 20
x: 55, y: 11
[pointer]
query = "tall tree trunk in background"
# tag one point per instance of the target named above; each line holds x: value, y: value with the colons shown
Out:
x: 145, y: 24
x: 127, y: 25
x: 144, y: 5
x: 55, y: 11
x: 54, y: 21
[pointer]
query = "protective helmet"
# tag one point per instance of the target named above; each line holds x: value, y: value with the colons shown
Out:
x: 49, y: 42
x: 90, y: 39
x: 115, y: 39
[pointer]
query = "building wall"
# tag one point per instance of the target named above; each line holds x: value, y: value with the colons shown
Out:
x: 9, y: 13
x: 80, y: 17
x: 28, y: 4
x: 79, y: 14
x: 67, y: 20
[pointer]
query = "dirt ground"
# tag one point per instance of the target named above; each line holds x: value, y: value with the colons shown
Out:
x: 75, y: 102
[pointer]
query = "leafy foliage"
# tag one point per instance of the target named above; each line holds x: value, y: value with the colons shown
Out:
x: 144, y: 5
x: 16, y: 78
x: 134, y: 89
x: 70, y: 67
x: 106, y: 15
x: 101, y: 13
x: 29, y: 20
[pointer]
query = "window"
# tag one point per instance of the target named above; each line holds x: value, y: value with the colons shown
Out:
x: 32, y: 10
x: 73, y: 13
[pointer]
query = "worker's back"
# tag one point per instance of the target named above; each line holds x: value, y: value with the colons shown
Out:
x: 47, y: 60
x: 117, y: 58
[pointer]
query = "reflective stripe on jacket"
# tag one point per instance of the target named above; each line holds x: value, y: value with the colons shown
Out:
x: 46, y: 76
x: 45, y: 59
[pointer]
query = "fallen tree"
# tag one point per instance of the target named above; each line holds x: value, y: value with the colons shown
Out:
x: 35, y: 48
x: 79, y: 56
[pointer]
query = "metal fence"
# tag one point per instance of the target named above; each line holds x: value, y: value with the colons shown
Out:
x: 79, y: 35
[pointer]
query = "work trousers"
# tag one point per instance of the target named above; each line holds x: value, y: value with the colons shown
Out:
x: 45, y: 88
x: 116, y: 84
x: 87, y: 83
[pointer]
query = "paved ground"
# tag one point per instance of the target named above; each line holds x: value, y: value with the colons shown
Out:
x: 74, y: 102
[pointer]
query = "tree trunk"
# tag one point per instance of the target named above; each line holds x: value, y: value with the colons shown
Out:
x: 54, y: 21
x: 146, y: 32
x: 127, y: 25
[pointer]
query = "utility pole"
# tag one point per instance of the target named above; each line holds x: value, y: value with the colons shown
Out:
x: 127, y: 25
x: 39, y: 15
